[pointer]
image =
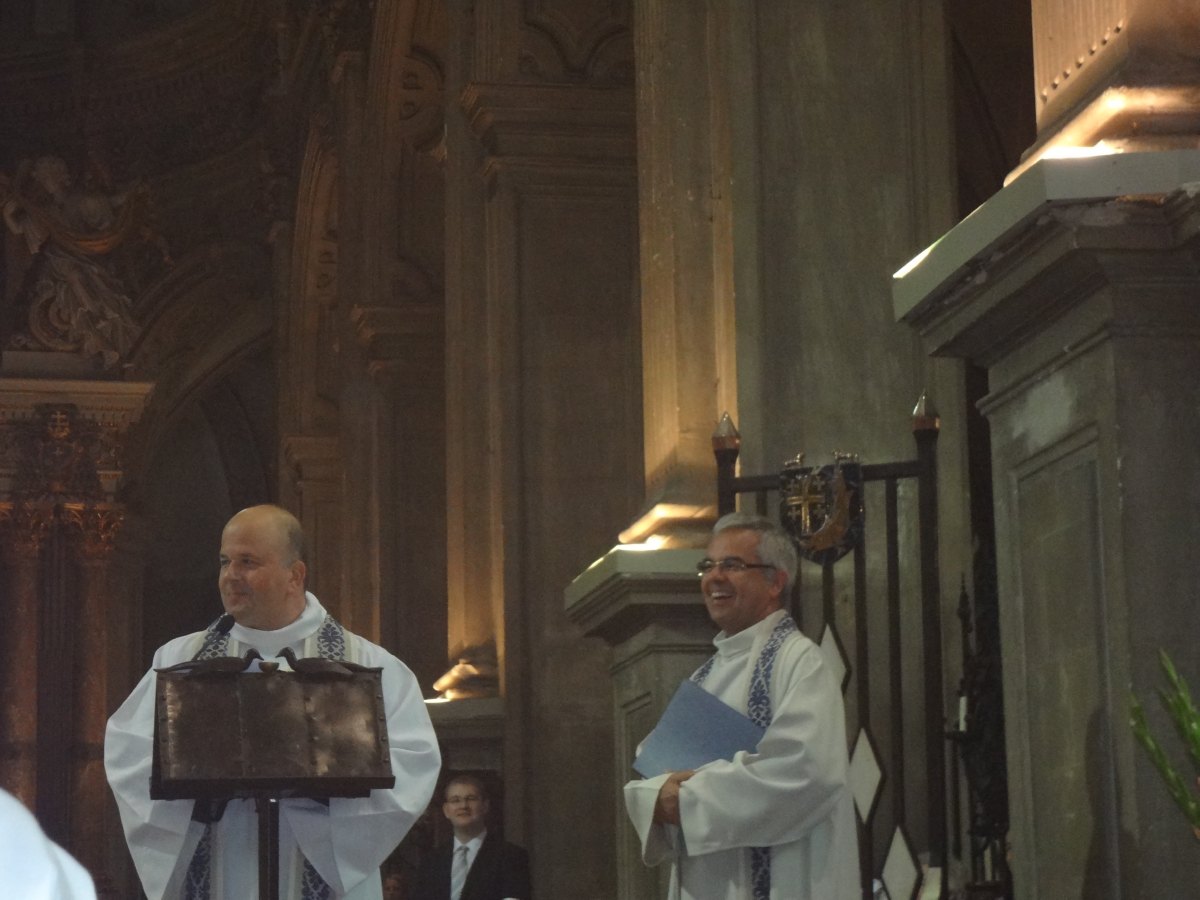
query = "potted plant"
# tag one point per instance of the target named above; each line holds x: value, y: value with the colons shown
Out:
x: 1178, y: 701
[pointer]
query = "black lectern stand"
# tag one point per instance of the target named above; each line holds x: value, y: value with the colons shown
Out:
x: 222, y: 732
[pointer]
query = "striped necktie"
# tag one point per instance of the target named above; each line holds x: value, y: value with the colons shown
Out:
x: 458, y: 872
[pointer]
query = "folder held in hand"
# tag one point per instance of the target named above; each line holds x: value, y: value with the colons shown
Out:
x: 695, y: 729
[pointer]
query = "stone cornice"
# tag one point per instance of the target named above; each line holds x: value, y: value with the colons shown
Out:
x: 626, y: 590
x: 110, y: 404
x: 1046, y: 240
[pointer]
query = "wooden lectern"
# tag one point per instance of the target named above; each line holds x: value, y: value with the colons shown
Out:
x: 223, y: 730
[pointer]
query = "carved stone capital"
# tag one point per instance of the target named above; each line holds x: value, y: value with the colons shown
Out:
x: 97, y: 526
x: 25, y: 527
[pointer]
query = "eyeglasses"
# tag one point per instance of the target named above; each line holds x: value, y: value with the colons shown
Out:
x: 470, y: 798
x: 727, y: 565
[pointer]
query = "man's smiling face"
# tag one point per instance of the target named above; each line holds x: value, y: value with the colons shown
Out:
x: 466, y: 807
x: 260, y: 586
x: 737, y: 600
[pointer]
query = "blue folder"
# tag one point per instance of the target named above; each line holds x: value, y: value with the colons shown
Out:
x: 695, y: 729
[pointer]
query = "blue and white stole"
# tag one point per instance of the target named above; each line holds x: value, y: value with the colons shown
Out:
x: 330, y: 644
x: 758, y: 709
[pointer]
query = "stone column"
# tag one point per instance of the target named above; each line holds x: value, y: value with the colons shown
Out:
x: 687, y: 256
x: 310, y: 359
x: 96, y: 528
x: 1076, y: 288
x: 24, y: 529
x: 358, y: 540
x: 404, y: 346
x: 398, y: 317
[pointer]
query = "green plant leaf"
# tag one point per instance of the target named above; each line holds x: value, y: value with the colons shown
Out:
x: 1178, y: 702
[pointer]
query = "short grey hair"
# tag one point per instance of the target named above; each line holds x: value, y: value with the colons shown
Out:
x: 775, y: 546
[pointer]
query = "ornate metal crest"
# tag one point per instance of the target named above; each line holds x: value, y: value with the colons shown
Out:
x: 822, y: 507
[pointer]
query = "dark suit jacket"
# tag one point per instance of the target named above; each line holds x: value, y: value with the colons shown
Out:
x: 500, y: 870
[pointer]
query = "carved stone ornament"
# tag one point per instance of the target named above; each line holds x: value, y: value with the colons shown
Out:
x: 576, y: 43
x: 25, y: 527
x: 57, y: 454
x: 97, y: 525
x: 75, y: 301
x: 420, y: 102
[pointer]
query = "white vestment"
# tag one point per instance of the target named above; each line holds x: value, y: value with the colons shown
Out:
x: 345, y: 841
x: 790, y: 795
x: 33, y: 867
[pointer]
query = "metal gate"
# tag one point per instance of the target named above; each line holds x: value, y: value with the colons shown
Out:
x: 881, y: 763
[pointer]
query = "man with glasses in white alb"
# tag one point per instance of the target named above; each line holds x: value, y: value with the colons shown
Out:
x: 775, y: 822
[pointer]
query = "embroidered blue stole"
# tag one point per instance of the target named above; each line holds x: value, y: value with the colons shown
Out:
x: 758, y: 709
x: 331, y: 644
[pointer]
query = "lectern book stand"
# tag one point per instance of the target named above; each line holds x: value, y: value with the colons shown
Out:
x: 226, y: 729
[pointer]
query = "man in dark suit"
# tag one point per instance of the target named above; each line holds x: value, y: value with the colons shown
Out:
x: 475, y: 866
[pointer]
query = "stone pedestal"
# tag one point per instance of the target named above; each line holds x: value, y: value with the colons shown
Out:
x: 1076, y: 287
x: 646, y: 605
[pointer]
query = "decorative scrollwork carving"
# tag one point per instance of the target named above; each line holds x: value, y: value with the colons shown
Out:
x: 75, y: 301
x: 579, y: 43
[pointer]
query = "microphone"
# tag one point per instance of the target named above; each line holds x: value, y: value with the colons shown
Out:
x: 224, y: 623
